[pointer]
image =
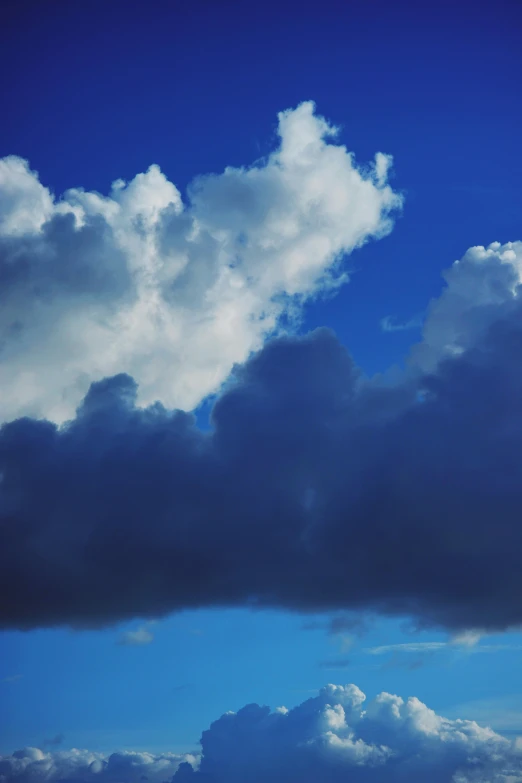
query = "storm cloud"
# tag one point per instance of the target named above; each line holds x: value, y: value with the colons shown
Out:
x: 316, y: 488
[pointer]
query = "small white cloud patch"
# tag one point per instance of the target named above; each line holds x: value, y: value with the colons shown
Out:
x: 138, y: 638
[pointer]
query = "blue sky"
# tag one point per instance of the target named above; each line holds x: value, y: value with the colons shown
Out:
x: 96, y: 93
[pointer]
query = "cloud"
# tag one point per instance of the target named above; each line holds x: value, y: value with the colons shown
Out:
x: 408, y: 647
x: 482, y: 288
x: 12, y: 678
x: 503, y: 712
x: 389, y: 324
x: 467, y: 642
x: 174, y: 293
x: 316, y: 490
x: 334, y: 736
x: 138, y: 638
x: 32, y: 765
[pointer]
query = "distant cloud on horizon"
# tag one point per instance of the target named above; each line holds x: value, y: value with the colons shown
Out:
x: 335, y: 736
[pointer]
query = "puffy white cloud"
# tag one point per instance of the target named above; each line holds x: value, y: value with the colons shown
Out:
x: 335, y: 737
x: 173, y: 294
x: 481, y: 288
x: 32, y: 765
x: 25, y: 204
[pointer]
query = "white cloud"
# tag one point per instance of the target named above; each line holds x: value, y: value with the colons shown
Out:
x: 173, y: 294
x: 138, y: 638
x: 334, y: 736
x: 467, y: 641
x: 481, y: 288
x: 413, y: 647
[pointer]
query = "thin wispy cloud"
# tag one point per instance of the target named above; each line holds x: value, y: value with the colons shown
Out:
x: 12, y: 678
x: 137, y: 638
x: 432, y: 647
x: 390, y: 324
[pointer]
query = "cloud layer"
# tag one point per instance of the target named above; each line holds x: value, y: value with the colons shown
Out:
x: 316, y: 489
x: 173, y: 294
x: 333, y: 737
x: 32, y: 765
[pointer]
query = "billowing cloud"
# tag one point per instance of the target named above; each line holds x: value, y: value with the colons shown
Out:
x: 482, y: 288
x: 336, y: 736
x: 316, y: 489
x: 32, y: 765
x: 174, y: 294
x: 333, y: 737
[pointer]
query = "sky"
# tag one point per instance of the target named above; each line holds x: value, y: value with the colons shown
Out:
x: 260, y: 383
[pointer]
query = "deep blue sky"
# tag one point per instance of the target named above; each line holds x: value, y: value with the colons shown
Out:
x: 91, y: 92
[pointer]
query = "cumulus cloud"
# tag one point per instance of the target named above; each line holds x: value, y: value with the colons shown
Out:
x: 482, y: 288
x: 174, y: 294
x: 333, y: 737
x: 336, y: 736
x: 33, y: 765
x: 315, y: 490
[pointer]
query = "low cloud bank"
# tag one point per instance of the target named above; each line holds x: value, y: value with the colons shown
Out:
x: 334, y: 737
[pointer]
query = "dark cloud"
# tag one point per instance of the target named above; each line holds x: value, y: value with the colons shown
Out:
x: 314, y: 491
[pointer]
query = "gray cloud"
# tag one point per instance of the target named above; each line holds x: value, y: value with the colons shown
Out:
x: 316, y: 490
